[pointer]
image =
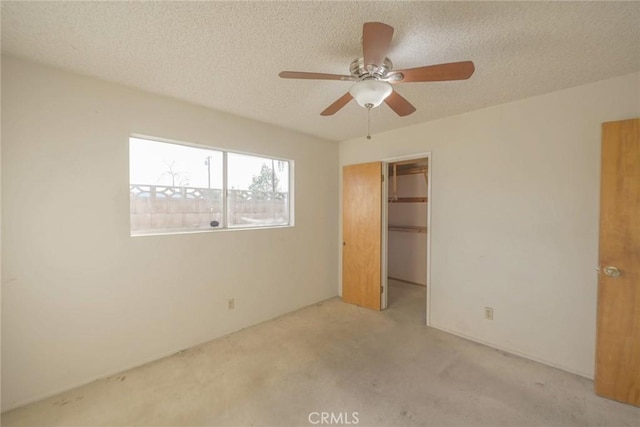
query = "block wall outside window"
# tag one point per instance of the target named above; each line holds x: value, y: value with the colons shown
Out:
x: 176, y: 188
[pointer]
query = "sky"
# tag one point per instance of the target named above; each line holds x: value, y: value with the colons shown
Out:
x: 151, y: 161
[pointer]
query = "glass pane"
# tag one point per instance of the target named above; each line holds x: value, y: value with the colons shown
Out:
x: 258, y: 192
x: 174, y: 188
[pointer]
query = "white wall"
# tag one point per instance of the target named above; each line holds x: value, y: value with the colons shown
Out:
x: 80, y: 298
x: 515, y: 216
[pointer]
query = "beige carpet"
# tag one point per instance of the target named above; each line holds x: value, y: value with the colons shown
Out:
x: 336, y: 358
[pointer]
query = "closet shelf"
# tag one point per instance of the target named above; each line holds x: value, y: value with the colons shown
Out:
x: 408, y: 228
x: 408, y: 200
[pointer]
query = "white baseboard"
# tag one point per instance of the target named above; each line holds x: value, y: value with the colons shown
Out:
x: 515, y: 352
x: 142, y: 362
x: 72, y: 386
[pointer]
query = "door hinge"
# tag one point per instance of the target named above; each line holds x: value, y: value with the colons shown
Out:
x: 381, y: 289
x: 382, y: 177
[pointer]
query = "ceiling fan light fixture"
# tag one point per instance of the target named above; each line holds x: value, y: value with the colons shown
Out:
x: 370, y: 93
x: 374, y: 72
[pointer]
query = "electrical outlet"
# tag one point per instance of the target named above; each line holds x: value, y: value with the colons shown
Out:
x: 488, y: 313
x: 231, y: 304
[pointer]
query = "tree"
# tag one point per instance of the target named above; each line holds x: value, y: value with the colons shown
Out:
x: 182, y: 177
x: 266, y: 181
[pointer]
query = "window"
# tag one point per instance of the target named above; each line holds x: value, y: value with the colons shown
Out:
x: 176, y: 188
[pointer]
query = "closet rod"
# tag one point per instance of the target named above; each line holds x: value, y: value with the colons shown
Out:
x: 408, y: 228
x: 408, y: 200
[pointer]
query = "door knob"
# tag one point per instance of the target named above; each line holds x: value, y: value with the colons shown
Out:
x: 611, y: 271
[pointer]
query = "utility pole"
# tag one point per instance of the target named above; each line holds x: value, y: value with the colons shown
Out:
x: 207, y: 163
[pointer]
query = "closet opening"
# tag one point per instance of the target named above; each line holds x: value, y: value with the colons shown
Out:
x: 406, y: 237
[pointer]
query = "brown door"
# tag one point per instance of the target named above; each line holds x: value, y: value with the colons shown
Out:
x: 618, y: 337
x: 361, y: 234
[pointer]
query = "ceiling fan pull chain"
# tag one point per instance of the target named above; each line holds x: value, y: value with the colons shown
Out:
x: 369, y: 123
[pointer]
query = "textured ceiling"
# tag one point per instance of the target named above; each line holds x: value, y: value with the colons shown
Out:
x: 227, y: 55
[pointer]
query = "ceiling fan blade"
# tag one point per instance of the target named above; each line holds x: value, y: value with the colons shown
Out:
x: 376, y: 39
x: 314, y: 76
x: 436, y: 73
x: 336, y: 106
x: 401, y: 106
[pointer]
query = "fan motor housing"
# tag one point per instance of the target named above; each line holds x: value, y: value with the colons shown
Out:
x: 359, y: 70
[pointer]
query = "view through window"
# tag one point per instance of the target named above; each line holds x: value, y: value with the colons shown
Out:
x: 178, y: 188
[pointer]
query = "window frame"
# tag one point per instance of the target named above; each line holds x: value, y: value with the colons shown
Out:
x: 224, y: 226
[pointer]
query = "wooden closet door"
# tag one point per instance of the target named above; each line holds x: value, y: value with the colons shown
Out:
x: 361, y: 234
x: 618, y: 337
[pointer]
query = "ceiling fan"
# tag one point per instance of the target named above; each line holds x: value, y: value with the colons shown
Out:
x: 374, y: 75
